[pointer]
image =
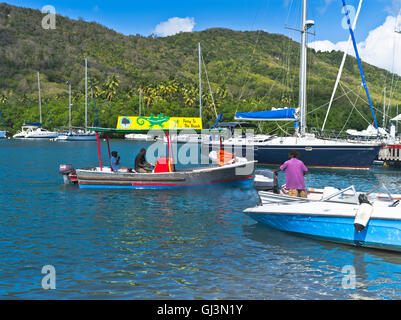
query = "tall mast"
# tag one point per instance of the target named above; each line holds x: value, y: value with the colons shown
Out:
x: 200, y: 80
x: 384, y: 108
x: 69, y: 107
x: 86, y: 93
x: 302, y: 73
x: 40, y: 99
x: 140, y: 101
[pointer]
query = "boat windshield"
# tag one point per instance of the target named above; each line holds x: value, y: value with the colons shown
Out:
x: 347, y: 195
x: 382, y: 196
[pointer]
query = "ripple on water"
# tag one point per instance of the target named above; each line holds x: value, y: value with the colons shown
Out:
x: 166, y: 245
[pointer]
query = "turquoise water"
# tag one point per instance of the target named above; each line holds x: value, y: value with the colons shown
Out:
x: 178, y: 244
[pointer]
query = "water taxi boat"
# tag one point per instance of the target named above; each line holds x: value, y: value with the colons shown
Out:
x: 238, y: 172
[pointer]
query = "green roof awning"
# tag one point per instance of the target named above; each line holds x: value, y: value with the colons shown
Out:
x: 122, y: 131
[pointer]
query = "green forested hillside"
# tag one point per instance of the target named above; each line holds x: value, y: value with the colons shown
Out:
x: 248, y: 71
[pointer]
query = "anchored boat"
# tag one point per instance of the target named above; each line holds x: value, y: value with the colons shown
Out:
x: 238, y: 172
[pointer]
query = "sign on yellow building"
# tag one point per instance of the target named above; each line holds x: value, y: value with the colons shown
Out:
x: 159, y: 122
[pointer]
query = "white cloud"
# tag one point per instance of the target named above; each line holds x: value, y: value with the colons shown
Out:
x: 394, y: 7
x: 378, y: 48
x: 175, y: 25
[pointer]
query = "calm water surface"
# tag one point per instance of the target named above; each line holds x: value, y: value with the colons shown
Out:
x: 186, y: 244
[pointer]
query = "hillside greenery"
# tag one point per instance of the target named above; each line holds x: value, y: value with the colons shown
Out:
x: 248, y: 71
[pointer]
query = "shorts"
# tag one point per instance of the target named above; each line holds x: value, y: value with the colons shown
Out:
x: 297, y: 193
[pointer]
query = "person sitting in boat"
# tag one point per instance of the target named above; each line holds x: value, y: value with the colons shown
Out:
x: 295, y: 171
x: 141, y: 165
x: 115, y: 163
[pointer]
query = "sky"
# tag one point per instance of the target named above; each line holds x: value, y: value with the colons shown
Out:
x: 375, y: 29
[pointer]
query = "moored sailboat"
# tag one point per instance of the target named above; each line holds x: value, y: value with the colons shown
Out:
x: 315, y: 152
x: 78, y: 134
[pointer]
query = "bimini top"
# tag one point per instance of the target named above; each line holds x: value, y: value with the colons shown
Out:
x: 33, y: 124
x: 273, y: 115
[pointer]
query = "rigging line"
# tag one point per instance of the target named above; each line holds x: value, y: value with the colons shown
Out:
x: 93, y: 98
x: 285, y: 132
x: 366, y: 102
x: 323, y: 105
x: 253, y: 52
x: 395, y: 42
x: 359, y: 63
x: 349, y: 117
x: 368, y: 122
x: 210, y: 88
x: 340, y: 71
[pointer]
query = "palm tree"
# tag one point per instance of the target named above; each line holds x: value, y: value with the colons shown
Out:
x: 96, y: 88
x: 3, y: 99
x: 111, y: 86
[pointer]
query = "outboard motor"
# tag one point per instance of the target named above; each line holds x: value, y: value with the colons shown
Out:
x: 266, y: 180
x: 364, y: 213
x: 68, y: 172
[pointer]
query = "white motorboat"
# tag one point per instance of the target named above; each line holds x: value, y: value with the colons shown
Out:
x: 40, y: 133
x: 362, y: 219
x: 185, y: 138
x: 34, y: 131
x: 139, y: 137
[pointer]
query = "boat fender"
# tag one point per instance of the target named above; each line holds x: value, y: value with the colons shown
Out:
x: 363, y: 214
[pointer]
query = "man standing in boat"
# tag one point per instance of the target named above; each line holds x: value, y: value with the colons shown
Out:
x: 141, y: 165
x: 295, y: 171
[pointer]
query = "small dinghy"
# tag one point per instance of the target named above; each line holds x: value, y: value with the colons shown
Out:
x: 346, y: 216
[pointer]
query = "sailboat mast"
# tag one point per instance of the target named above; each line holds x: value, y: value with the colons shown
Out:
x: 384, y: 108
x: 140, y: 101
x: 86, y: 93
x: 302, y: 74
x: 40, y: 99
x: 200, y: 80
x: 69, y: 107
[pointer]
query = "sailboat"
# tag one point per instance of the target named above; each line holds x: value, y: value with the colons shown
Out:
x: 78, y: 134
x: 188, y: 137
x: 35, y: 130
x: 315, y: 152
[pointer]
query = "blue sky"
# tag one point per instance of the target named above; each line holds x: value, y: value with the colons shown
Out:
x: 132, y: 17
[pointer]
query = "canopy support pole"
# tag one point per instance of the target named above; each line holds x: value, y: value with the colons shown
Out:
x: 108, y: 147
x: 170, y: 152
x: 98, y: 150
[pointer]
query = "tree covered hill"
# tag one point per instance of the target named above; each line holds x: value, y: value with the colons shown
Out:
x: 248, y: 71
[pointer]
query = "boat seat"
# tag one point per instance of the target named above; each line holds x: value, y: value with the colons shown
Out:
x: 327, y: 191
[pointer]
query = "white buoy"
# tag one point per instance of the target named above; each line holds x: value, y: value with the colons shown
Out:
x: 362, y: 217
